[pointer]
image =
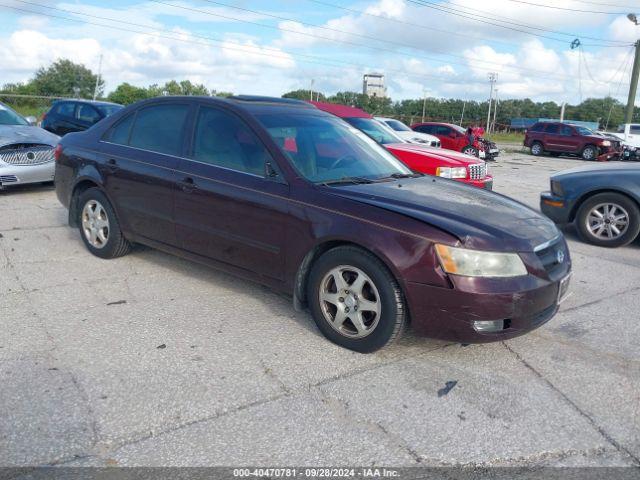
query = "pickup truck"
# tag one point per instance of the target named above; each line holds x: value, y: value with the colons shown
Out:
x: 629, y: 133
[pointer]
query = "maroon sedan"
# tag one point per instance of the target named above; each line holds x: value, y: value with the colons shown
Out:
x: 282, y: 193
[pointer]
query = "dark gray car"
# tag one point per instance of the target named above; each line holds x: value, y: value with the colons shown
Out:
x: 602, y: 200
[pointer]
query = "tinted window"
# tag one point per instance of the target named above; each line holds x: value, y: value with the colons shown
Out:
x: 119, y: 133
x: 444, y: 131
x: 9, y: 117
x: 635, y: 129
x: 375, y: 130
x: 159, y: 128
x: 538, y: 127
x: 107, y: 110
x: 425, y: 129
x: 553, y: 128
x: 65, y: 108
x: 325, y: 148
x: 567, y: 130
x: 87, y: 113
x: 224, y: 140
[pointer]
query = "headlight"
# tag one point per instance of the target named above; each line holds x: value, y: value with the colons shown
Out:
x: 477, y: 263
x: 606, y: 143
x: 556, y: 188
x: 449, y: 172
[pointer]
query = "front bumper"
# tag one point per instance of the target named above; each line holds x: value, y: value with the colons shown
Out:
x: 609, y: 153
x: 556, y: 208
x: 486, y: 183
x: 449, y: 314
x: 22, y: 174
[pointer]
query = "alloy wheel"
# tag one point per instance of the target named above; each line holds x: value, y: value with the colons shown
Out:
x: 95, y: 224
x: 536, y: 149
x: 607, y: 221
x: 469, y: 151
x: 350, y: 301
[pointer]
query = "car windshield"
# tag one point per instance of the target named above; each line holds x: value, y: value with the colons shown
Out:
x: 584, y: 131
x: 398, y: 126
x: 9, y: 117
x: 107, y: 110
x: 375, y: 130
x: 326, y: 149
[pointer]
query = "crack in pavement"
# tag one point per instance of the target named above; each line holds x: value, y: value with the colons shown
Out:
x: 613, y: 442
x: 599, y: 300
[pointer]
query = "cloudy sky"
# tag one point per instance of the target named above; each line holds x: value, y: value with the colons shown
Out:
x: 433, y: 47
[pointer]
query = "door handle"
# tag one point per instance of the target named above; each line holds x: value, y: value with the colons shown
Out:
x: 188, y: 185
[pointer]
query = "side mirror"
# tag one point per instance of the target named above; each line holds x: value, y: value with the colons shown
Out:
x: 32, y: 120
x: 269, y: 171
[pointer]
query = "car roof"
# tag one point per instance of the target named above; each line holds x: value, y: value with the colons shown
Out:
x: 341, y: 111
x: 90, y: 102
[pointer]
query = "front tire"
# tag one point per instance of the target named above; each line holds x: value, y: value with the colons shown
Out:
x: 99, y: 227
x: 608, y: 220
x: 470, y: 150
x: 589, y: 153
x: 354, y: 299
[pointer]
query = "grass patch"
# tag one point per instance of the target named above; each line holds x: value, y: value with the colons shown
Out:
x: 507, y: 137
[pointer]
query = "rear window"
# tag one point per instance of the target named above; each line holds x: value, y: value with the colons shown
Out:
x: 634, y: 129
x: 159, y: 128
x: 107, y: 110
x: 65, y: 108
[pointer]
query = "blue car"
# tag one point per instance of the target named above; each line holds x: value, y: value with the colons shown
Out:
x: 602, y: 200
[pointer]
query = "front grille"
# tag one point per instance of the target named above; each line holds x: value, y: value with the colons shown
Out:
x: 8, y: 178
x: 32, y: 155
x: 477, y: 171
x: 549, y: 257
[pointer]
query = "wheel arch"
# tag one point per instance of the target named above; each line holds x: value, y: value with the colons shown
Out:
x: 587, y: 195
x: 302, y: 274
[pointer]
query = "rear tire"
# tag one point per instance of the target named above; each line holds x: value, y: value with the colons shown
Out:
x: 99, y: 226
x: 592, y: 215
x: 537, y: 149
x: 354, y: 299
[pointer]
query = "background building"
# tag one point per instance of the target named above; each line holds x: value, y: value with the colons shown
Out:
x: 373, y: 85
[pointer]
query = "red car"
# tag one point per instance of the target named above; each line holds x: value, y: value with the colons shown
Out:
x: 557, y: 138
x: 420, y: 158
x: 454, y: 137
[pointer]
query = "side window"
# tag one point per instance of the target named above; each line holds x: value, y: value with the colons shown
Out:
x: 87, y: 113
x: 553, y: 128
x: 444, y: 131
x: 66, y: 109
x: 119, y: 133
x: 424, y: 129
x: 159, y: 128
x: 224, y: 140
x: 566, y: 130
x: 634, y: 129
x: 538, y: 127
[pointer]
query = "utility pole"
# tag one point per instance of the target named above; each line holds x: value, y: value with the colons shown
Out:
x: 424, y: 104
x: 633, y: 87
x: 493, y: 77
x: 495, y: 112
x: 95, y: 90
x: 463, y: 107
x: 562, y: 107
x: 311, y: 90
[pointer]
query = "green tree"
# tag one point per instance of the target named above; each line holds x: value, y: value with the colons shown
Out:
x: 126, y: 93
x: 304, y: 95
x: 66, y: 79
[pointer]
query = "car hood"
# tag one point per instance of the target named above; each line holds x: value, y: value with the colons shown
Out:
x: 478, y: 218
x: 608, y: 168
x: 450, y: 156
x: 26, y: 134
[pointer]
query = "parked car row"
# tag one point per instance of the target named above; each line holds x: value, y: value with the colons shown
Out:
x: 289, y: 195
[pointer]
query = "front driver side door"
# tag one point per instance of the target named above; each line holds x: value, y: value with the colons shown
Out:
x: 227, y: 208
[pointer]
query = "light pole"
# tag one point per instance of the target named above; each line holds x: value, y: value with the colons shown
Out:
x: 424, y: 104
x: 492, y: 80
x: 633, y: 87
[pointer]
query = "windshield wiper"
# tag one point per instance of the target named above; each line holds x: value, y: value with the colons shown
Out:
x: 345, y: 180
x: 405, y: 175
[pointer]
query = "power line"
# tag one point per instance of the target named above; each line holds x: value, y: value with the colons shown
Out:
x: 225, y: 43
x: 536, y: 72
x: 477, y: 16
x: 567, y: 9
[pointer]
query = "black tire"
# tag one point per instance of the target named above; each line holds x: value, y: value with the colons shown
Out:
x: 392, y: 319
x: 116, y: 245
x: 589, y: 153
x: 618, y: 199
x: 537, y: 149
x: 470, y: 150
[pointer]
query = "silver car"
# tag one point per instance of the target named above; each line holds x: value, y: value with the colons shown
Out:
x: 26, y: 151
